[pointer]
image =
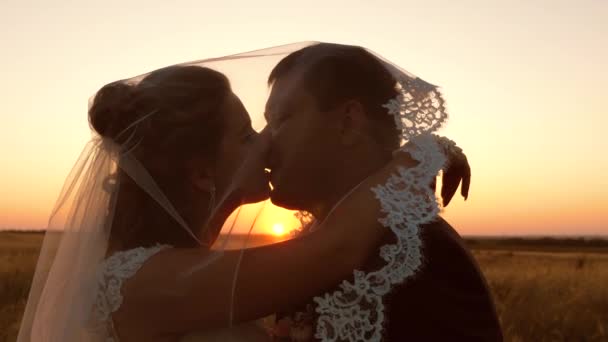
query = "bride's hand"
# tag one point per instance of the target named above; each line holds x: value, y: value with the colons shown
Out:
x: 457, y: 170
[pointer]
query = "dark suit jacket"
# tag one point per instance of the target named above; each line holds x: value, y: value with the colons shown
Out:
x: 447, y: 300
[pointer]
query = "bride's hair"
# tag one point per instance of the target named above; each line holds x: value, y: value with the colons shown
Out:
x: 182, y: 106
x: 337, y: 73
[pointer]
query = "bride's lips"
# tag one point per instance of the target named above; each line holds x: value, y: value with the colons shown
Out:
x: 273, y: 175
x: 267, y: 175
x: 273, y: 166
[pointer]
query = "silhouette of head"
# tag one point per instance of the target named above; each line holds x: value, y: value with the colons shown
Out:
x: 325, y: 112
x: 195, y: 134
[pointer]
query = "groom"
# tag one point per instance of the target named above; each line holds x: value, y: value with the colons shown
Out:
x: 330, y: 132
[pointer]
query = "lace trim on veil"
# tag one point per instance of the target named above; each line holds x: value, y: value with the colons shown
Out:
x: 113, y: 272
x: 355, y: 312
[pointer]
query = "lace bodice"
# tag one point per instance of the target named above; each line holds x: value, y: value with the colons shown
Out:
x: 113, y: 272
x: 355, y: 312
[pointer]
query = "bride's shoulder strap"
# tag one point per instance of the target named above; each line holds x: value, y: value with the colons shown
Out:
x: 115, y: 270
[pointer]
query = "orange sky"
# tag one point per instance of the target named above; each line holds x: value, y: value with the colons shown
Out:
x: 525, y: 83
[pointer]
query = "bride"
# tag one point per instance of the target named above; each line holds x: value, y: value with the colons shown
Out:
x: 131, y: 249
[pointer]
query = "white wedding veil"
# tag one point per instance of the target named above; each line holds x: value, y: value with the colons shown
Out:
x: 354, y: 311
x: 65, y: 283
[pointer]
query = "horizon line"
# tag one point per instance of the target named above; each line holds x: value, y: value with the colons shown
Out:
x: 531, y: 235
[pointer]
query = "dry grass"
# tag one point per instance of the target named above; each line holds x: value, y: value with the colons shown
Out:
x: 18, y: 255
x: 560, y: 294
x: 549, y: 297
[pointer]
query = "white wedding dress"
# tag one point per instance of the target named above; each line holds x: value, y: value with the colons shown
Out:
x: 407, y: 202
x: 121, y: 266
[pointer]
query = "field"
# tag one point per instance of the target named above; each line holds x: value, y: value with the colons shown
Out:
x: 545, y: 289
x: 18, y: 254
x: 551, y: 296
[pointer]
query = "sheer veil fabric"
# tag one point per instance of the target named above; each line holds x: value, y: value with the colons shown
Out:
x: 65, y: 284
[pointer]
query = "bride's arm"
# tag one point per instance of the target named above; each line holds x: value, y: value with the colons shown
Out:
x: 166, y: 296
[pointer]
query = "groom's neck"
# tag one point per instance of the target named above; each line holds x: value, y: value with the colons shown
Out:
x: 352, y: 173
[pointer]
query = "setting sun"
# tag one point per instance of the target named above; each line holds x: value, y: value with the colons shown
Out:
x: 278, y: 229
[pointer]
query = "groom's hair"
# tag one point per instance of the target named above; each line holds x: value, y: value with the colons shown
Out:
x: 336, y: 73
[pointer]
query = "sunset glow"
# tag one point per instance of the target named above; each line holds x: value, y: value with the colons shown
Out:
x: 523, y: 80
x: 278, y: 229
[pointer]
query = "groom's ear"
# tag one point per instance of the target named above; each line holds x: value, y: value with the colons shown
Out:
x: 353, y: 122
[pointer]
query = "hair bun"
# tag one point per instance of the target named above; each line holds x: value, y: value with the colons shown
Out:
x: 113, y: 109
